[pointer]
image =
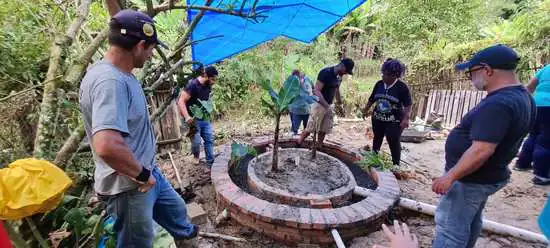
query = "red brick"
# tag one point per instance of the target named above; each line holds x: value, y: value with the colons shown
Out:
x: 318, y: 236
x: 291, y: 234
x: 365, y: 212
x: 343, y: 219
x: 244, y: 220
x: 305, y: 218
x: 265, y: 226
x: 317, y: 219
x: 320, y: 204
x: 267, y: 213
x: 330, y: 218
x: 352, y: 214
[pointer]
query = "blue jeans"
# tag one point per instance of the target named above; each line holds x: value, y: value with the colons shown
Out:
x: 204, y: 131
x: 458, y: 218
x: 535, y: 151
x: 296, y: 120
x: 135, y: 211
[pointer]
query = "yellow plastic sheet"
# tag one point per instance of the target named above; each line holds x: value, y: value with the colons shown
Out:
x: 30, y: 186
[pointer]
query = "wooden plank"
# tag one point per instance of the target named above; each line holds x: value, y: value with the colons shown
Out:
x: 446, y: 106
x: 461, y: 103
x: 454, y: 109
x: 431, y: 97
x: 466, y: 103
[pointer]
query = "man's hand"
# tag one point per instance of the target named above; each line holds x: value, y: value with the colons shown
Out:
x: 442, y: 184
x: 144, y: 187
x: 402, y: 237
x: 189, y: 120
x: 404, y: 123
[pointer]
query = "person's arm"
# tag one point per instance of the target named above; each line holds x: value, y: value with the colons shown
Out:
x: 110, y: 101
x: 338, y: 97
x: 366, y: 110
x: 182, y: 101
x: 112, y: 6
x: 317, y: 92
x: 532, y: 85
x: 486, y: 135
x: 406, y: 99
x: 110, y: 146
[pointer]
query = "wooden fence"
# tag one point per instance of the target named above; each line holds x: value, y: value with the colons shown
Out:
x: 452, y: 104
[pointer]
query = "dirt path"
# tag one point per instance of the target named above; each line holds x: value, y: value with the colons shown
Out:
x: 518, y: 204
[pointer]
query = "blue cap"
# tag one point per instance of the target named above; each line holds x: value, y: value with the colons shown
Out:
x: 497, y: 57
x: 136, y: 24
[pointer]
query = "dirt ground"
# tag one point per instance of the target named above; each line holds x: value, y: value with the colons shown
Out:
x: 518, y: 204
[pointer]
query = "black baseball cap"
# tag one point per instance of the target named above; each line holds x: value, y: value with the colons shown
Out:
x: 136, y: 24
x: 498, y: 57
x: 349, y: 64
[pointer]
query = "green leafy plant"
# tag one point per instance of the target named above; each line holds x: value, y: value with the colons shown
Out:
x: 239, y: 151
x: 278, y: 104
x: 203, y: 111
x: 378, y: 161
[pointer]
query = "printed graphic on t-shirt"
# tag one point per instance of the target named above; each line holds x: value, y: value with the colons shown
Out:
x: 386, y: 108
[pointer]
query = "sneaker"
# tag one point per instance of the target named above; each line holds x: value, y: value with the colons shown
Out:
x: 539, y: 181
x: 196, y: 161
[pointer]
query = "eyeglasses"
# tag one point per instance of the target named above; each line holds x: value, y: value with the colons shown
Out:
x: 469, y: 72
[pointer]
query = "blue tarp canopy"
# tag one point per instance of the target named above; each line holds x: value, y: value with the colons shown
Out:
x: 222, y: 36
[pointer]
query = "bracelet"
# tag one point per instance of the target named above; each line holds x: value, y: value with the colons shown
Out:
x: 143, y: 175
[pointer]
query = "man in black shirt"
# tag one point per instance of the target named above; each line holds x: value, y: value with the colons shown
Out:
x: 480, y: 148
x: 326, y: 89
x: 199, y: 89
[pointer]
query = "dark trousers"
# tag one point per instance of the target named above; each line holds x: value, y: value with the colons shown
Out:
x: 296, y: 120
x: 536, y: 148
x: 392, y: 131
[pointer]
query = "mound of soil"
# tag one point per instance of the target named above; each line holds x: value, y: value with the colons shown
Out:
x: 300, y: 174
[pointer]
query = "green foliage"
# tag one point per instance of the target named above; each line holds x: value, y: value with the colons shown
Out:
x: 203, y: 111
x: 239, y: 151
x: 287, y: 93
x: 381, y: 162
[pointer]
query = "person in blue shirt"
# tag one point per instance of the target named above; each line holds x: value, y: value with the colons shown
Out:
x: 480, y: 148
x: 299, y: 108
x: 535, y: 153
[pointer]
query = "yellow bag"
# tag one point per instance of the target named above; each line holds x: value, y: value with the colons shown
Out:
x: 30, y: 186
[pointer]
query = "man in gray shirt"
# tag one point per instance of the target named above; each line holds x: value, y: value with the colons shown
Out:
x: 116, y: 121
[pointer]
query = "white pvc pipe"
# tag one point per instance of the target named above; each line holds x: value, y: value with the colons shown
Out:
x: 337, y: 239
x: 488, y: 225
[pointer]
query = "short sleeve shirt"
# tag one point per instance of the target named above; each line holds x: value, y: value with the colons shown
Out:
x: 331, y: 83
x: 114, y: 100
x: 504, y: 118
x: 389, y: 101
x: 197, y: 91
x: 542, y: 92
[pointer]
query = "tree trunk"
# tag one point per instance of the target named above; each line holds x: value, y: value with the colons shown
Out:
x: 69, y: 148
x: 275, y: 165
x: 44, y: 134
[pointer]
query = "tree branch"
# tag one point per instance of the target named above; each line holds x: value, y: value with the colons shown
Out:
x: 150, y: 8
x: 166, y: 7
x: 168, y: 74
x: 82, y: 13
x: 78, y: 68
x: 113, y: 6
x: 43, y: 139
x: 69, y: 148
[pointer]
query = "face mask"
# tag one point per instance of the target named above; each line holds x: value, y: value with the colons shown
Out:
x: 479, y: 83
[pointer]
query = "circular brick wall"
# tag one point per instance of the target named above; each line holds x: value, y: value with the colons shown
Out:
x: 293, y: 225
x: 335, y: 197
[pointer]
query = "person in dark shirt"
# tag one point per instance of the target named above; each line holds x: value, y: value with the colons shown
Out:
x: 199, y: 89
x: 326, y: 89
x: 392, y: 100
x: 480, y: 147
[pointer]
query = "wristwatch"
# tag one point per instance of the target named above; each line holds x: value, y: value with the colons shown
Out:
x: 143, y: 175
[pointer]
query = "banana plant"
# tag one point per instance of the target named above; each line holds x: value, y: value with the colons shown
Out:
x: 278, y: 104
